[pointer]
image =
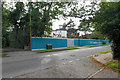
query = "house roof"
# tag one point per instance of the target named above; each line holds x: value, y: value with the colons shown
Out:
x: 60, y: 29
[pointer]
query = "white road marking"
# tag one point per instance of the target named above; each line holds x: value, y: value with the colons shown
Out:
x: 96, y: 72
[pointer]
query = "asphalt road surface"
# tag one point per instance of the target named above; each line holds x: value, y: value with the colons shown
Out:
x: 22, y: 63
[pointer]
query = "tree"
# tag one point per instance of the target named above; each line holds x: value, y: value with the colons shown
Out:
x: 5, y: 26
x: 42, y: 14
x: 48, y: 31
x: 85, y: 14
x: 107, y: 21
x: 97, y: 35
x: 71, y: 31
x: 68, y: 25
x: 32, y: 19
x: 84, y: 26
x: 18, y: 35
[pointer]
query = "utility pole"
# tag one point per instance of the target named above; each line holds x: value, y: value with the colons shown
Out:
x: 30, y: 32
x: 30, y: 28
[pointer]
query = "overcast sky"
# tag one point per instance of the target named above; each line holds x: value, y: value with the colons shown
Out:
x: 56, y: 23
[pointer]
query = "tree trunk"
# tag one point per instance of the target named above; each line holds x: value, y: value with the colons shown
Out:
x: 85, y: 34
x: 116, y: 49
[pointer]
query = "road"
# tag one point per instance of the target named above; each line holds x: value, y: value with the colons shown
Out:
x: 17, y: 65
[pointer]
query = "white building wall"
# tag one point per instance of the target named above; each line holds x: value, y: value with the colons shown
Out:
x: 60, y: 32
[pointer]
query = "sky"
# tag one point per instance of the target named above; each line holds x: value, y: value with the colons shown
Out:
x: 56, y: 23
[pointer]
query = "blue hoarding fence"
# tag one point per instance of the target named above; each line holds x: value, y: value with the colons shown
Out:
x: 89, y: 42
x: 40, y: 43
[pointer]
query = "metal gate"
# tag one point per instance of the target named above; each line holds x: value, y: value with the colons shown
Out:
x: 70, y: 42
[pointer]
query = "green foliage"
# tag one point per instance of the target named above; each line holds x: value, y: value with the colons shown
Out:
x: 115, y: 64
x: 3, y: 42
x: 19, y: 36
x: 30, y: 21
x: 85, y: 14
x: 71, y: 31
x: 97, y: 35
x: 106, y: 21
x: 106, y: 52
x: 3, y: 54
x: 63, y: 37
x: 84, y: 26
x: 48, y: 30
x: 5, y: 26
x: 42, y: 14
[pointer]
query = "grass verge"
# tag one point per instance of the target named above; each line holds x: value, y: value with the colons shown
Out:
x: 106, y: 52
x: 97, y: 45
x: 3, y: 54
x: 56, y: 49
x: 115, y: 64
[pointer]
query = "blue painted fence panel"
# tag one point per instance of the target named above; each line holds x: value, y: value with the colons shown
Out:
x: 88, y: 42
x: 40, y: 43
x: 76, y: 42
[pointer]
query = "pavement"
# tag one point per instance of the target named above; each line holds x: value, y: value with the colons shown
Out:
x: 8, y: 49
x: 103, y: 58
x: 62, y: 64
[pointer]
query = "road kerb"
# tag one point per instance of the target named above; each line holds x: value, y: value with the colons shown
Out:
x: 104, y: 65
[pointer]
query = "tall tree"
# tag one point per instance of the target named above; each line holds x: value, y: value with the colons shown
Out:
x: 70, y: 28
x: 42, y: 14
x: 85, y: 26
x: 85, y: 14
x: 16, y: 19
x: 107, y: 22
x: 33, y: 19
x: 5, y: 26
x: 68, y: 25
